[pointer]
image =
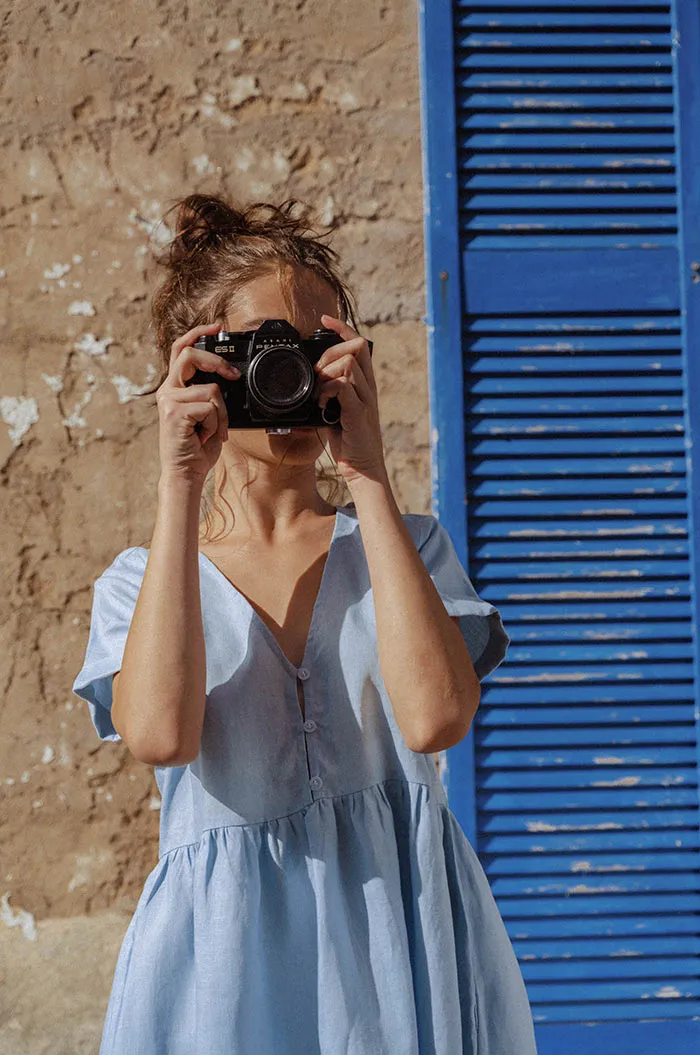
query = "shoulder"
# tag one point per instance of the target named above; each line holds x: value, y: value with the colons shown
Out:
x: 129, y: 563
x: 420, y: 525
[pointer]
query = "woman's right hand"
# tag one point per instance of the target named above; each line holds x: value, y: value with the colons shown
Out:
x: 184, y: 452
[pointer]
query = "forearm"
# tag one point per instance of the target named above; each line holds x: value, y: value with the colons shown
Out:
x: 425, y: 663
x: 160, y: 698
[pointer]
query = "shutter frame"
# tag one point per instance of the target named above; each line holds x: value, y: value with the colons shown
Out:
x: 598, y: 320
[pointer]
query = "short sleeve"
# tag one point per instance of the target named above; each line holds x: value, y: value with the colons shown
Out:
x: 480, y: 622
x: 115, y: 594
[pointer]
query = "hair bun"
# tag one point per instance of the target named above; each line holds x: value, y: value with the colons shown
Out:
x: 201, y: 221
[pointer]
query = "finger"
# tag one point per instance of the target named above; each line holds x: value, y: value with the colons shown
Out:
x: 359, y: 348
x: 343, y: 328
x: 211, y: 425
x: 200, y: 393
x: 191, y: 336
x: 344, y: 390
x: 192, y: 359
x: 203, y: 413
x: 349, y: 364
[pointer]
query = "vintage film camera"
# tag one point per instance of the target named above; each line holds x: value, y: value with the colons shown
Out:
x: 278, y: 388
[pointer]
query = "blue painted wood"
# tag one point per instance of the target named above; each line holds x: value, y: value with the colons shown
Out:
x: 602, y: 5
x: 686, y: 27
x: 504, y: 59
x: 647, y: 104
x: 502, y: 40
x: 552, y: 277
x: 574, y: 138
x: 444, y: 309
x: 527, y: 183
x: 614, y: 21
x: 583, y: 80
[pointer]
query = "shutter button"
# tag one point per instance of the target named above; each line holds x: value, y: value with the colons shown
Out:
x: 303, y: 673
x: 309, y: 725
x: 315, y: 782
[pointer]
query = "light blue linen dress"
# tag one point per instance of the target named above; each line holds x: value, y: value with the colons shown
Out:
x: 314, y: 893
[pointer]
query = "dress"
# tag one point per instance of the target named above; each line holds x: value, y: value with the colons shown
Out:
x: 314, y: 894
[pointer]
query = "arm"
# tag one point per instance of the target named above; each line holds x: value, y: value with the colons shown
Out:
x: 425, y: 663
x: 160, y: 691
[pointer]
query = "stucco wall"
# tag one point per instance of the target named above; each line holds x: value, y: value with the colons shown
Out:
x: 109, y: 112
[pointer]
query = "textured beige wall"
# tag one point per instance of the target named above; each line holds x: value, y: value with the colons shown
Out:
x: 109, y: 112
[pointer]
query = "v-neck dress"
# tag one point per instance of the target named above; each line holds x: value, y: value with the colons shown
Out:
x: 314, y: 893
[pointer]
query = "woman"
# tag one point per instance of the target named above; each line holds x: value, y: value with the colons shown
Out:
x: 289, y: 680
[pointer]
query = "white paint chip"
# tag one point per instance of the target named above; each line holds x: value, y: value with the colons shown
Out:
x: 54, y: 381
x: 17, y: 918
x: 57, y: 270
x: 242, y: 89
x: 85, y: 866
x: 127, y: 389
x: 203, y: 165
x: 92, y: 345
x: 75, y: 420
x: 20, y: 413
x: 81, y: 307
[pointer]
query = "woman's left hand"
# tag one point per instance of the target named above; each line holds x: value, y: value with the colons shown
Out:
x: 345, y: 370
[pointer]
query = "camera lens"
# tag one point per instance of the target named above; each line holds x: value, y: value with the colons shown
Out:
x: 280, y: 379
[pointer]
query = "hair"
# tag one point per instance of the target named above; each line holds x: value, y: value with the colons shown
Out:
x: 217, y: 248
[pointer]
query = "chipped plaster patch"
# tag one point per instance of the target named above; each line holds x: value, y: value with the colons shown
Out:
x: 17, y: 918
x: 345, y: 101
x: 148, y: 217
x: 203, y: 165
x: 92, y: 345
x: 55, y: 382
x: 20, y: 413
x: 328, y: 211
x: 234, y: 44
x: 127, y: 389
x: 242, y: 89
x: 281, y: 164
x: 57, y: 270
x: 297, y: 92
x: 244, y: 159
x: 81, y: 307
x: 75, y: 420
x: 208, y: 108
x: 84, y: 863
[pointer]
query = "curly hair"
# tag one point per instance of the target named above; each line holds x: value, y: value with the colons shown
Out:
x: 217, y: 248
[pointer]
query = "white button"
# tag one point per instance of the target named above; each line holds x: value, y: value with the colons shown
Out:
x: 303, y: 673
x: 315, y: 782
x: 309, y: 725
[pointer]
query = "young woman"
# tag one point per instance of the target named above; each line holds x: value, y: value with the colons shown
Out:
x: 289, y: 680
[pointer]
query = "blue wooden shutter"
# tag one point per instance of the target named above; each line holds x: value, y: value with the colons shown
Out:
x: 561, y: 171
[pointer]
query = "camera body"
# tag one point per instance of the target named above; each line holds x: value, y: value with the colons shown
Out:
x: 278, y: 388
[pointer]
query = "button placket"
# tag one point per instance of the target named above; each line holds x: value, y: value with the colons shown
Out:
x: 315, y: 782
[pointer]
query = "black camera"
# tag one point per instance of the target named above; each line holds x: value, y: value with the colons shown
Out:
x: 278, y: 388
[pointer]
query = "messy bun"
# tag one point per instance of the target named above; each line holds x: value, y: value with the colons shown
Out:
x: 203, y: 222
x: 217, y: 247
